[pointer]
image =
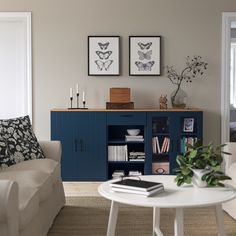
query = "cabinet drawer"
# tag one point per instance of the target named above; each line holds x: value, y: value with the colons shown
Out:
x: 136, y: 118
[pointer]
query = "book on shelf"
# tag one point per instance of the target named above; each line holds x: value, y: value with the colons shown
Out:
x: 135, y: 173
x: 159, y: 149
x: 187, y: 140
x: 142, y: 193
x: 134, y: 138
x: 118, y: 174
x: 134, y: 184
x: 136, y: 156
x: 118, y: 153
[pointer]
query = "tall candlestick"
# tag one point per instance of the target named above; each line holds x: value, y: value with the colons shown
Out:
x: 71, y: 93
x: 77, y: 88
x: 83, y: 96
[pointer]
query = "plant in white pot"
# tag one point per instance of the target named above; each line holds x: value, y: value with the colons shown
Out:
x: 201, y: 165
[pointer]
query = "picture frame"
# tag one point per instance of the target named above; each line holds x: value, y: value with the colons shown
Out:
x: 145, y: 55
x: 103, y: 55
x: 188, y: 125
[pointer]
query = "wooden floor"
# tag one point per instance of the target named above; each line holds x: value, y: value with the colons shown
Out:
x: 74, y: 189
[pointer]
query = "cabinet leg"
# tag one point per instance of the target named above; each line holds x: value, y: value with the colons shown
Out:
x: 156, y: 222
x: 112, y: 219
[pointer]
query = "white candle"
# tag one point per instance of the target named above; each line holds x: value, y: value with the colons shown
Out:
x: 71, y: 93
x: 77, y: 88
x: 83, y: 96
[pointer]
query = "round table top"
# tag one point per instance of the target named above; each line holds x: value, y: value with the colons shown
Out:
x: 173, y: 196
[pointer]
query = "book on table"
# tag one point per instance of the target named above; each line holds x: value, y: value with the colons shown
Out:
x: 139, y: 185
x: 143, y: 193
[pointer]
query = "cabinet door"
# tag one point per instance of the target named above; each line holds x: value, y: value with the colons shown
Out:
x: 161, y: 146
x: 177, y: 128
x: 83, y: 137
x: 63, y: 129
x: 91, y: 161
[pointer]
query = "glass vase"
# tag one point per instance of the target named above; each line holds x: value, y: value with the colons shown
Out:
x: 179, y: 98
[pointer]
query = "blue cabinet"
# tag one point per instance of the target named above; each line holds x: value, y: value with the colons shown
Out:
x: 92, y: 140
x: 83, y: 137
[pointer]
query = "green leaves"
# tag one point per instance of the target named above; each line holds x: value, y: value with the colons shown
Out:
x: 201, y: 157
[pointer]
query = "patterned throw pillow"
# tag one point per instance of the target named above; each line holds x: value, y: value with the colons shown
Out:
x: 5, y: 158
x: 21, y: 141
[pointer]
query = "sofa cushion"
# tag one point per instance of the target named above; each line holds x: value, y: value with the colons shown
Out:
x: 232, y: 172
x: 5, y: 158
x: 44, y: 165
x: 21, y: 140
x: 28, y: 205
x: 31, y: 179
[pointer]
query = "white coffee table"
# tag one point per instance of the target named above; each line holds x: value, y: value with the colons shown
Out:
x: 173, y: 197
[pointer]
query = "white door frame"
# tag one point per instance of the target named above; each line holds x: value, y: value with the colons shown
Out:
x: 25, y: 19
x: 227, y: 18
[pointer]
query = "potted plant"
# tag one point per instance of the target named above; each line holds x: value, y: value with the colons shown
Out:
x: 201, y: 165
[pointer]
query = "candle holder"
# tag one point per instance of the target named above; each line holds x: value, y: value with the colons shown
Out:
x: 77, y: 99
x: 71, y: 102
x: 84, y: 105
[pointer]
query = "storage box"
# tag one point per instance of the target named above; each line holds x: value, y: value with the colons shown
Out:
x: 162, y: 168
x: 116, y: 105
x: 120, y: 95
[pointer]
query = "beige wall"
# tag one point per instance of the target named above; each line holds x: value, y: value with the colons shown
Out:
x: 60, y: 29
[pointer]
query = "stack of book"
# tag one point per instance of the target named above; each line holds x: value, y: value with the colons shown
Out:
x: 140, y: 187
x: 134, y: 138
x: 136, y: 156
x: 118, y: 174
x: 135, y: 173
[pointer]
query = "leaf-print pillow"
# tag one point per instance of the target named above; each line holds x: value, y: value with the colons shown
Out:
x: 21, y: 141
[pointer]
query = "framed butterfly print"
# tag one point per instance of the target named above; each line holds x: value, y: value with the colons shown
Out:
x: 145, y: 55
x: 103, y: 55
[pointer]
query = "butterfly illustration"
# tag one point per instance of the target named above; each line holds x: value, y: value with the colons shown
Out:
x: 103, y: 46
x: 144, y: 66
x: 103, y: 65
x: 103, y: 55
x: 144, y: 46
x: 146, y: 55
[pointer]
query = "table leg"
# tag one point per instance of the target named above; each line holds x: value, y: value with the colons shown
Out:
x: 220, y: 220
x: 156, y: 222
x: 112, y: 219
x: 179, y: 224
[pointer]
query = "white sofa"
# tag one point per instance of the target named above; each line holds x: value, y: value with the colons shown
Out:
x: 32, y: 194
x: 230, y: 170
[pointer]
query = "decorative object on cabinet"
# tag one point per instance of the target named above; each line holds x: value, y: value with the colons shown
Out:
x: 194, y: 69
x: 103, y: 55
x: 145, y: 55
x: 163, y: 102
x: 188, y: 125
x: 201, y: 165
x: 119, y: 99
x: 120, y: 95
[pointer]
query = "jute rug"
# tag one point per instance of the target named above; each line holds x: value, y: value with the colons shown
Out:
x: 89, y: 216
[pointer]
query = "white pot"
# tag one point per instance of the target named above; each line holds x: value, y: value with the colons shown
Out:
x: 197, y: 178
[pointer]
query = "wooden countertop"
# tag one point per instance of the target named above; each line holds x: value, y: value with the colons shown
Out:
x: 125, y: 110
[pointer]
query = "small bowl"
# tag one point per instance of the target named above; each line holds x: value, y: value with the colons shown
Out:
x: 133, y: 132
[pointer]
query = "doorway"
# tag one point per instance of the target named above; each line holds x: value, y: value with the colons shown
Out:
x: 228, y: 120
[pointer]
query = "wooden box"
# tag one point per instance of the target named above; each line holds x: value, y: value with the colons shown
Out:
x: 120, y: 95
x: 122, y: 105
